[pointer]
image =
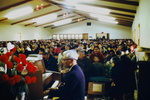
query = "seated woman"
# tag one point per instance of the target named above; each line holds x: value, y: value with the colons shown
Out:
x: 96, y: 53
x: 97, y: 68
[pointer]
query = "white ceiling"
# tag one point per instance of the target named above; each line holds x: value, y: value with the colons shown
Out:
x: 123, y: 10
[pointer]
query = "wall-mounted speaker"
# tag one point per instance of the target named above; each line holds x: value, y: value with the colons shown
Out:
x: 88, y: 23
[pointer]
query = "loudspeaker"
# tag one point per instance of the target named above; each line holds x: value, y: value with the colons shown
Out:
x: 88, y: 23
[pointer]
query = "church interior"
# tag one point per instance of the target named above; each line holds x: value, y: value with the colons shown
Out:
x: 111, y: 38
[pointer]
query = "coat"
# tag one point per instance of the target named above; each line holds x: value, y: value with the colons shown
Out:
x: 74, y: 86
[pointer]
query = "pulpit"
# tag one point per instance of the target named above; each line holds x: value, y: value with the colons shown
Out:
x: 44, y: 78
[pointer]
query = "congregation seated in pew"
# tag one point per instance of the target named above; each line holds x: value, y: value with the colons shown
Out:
x: 96, y: 47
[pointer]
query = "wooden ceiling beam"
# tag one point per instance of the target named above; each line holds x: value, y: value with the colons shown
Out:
x: 16, y: 4
x: 129, y: 17
x: 53, y: 25
x: 3, y: 19
x: 35, y: 22
x: 114, y: 13
x: 56, y: 20
x: 125, y: 24
x: 126, y: 19
x: 77, y: 18
x: 111, y: 8
x: 122, y: 14
x: 48, y: 26
x: 122, y: 17
x: 111, y: 13
x: 30, y: 24
x: 67, y: 24
x: 122, y: 24
x: 123, y: 21
x: 36, y: 16
x: 134, y: 3
x: 96, y: 5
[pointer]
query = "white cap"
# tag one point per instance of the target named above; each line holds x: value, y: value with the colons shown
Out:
x: 10, y: 46
x: 70, y: 54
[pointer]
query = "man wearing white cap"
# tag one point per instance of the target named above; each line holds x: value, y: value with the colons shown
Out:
x: 74, y: 81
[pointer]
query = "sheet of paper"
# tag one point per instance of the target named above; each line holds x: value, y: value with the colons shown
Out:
x: 97, y: 87
x: 55, y: 84
x: 46, y: 75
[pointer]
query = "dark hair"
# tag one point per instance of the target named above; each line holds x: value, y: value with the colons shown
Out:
x: 58, y: 45
x: 111, y: 51
x: 75, y: 46
x: 115, y: 59
x: 43, y: 50
x: 46, y: 53
x: 62, y: 48
x: 125, y: 58
x: 96, y: 47
x: 118, y: 52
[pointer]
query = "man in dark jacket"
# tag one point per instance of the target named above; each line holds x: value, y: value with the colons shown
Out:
x: 74, y: 81
x: 84, y: 62
x: 50, y: 62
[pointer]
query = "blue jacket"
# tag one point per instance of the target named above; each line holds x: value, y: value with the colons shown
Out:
x: 74, y: 86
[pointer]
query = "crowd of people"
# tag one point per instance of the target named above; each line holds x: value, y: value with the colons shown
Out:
x: 111, y: 58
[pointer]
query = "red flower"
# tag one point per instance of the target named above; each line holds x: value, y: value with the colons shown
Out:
x: 8, y: 54
x: 19, y: 67
x: 0, y: 58
x: 24, y: 62
x: 31, y: 68
x: 34, y: 79
x: 22, y: 56
x: 13, y: 50
x: 17, y: 59
x: 11, y: 81
x: 4, y: 78
x: 17, y: 78
x: 28, y: 80
x: 4, y: 58
x: 9, y: 65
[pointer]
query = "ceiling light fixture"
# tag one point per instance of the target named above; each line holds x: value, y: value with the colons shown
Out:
x: 65, y: 21
x: 19, y: 12
x: 65, y: 15
x: 39, y: 7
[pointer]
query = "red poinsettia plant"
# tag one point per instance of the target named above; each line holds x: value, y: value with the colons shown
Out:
x: 14, y: 69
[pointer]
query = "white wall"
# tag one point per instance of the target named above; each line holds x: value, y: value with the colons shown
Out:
x: 10, y: 32
x: 142, y: 17
x: 116, y: 31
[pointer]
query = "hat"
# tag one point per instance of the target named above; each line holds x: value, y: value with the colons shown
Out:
x: 70, y: 54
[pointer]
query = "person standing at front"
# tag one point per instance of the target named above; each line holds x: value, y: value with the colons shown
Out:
x: 74, y: 80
